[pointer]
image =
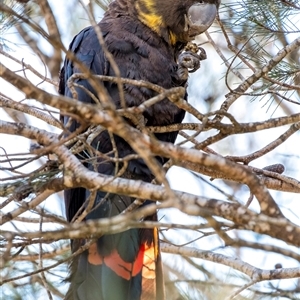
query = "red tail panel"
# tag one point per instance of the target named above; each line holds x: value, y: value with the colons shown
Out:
x: 147, y: 262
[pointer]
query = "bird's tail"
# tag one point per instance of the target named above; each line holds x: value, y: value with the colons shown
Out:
x: 122, y: 266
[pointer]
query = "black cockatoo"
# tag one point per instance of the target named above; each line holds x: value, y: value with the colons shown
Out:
x: 145, y: 39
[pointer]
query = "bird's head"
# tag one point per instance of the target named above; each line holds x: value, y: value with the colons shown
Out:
x: 177, y: 20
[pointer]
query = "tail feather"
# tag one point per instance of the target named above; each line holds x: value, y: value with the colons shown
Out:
x: 122, y: 266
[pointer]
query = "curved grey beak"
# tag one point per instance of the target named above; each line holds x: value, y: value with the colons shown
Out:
x: 200, y: 16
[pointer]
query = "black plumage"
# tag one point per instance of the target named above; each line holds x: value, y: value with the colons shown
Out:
x: 145, y: 38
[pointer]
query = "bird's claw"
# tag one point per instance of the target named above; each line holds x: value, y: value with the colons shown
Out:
x: 189, y: 60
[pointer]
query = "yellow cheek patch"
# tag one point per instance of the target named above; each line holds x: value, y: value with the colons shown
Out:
x: 153, y: 21
x: 173, y: 38
x: 150, y: 18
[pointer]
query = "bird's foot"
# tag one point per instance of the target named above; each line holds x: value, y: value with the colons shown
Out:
x: 189, y: 60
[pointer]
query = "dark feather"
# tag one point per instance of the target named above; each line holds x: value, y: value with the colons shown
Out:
x: 113, y: 268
